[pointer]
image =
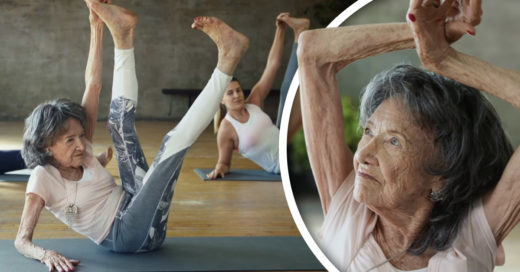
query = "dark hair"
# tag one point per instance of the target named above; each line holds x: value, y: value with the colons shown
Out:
x: 221, y: 112
x: 43, y: 125
x: 473, y: 149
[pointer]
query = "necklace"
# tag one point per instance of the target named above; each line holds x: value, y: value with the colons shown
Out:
x: 71, y: 210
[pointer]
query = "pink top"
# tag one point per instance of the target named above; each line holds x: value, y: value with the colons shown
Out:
x: 346, y: 238
x: 96, y: 195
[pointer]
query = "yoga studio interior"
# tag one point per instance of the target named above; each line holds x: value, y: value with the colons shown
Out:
x: 220, y: 225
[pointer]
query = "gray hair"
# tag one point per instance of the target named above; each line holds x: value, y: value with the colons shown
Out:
x: 43, y: 125
x: 472, y: 147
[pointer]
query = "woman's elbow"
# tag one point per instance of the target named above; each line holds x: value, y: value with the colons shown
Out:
x: 307, y: 53
x: 19, y: 244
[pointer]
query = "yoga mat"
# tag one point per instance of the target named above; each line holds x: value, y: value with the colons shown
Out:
x: 18, y: 175
x: 176, y: 254
x: 241, y: 174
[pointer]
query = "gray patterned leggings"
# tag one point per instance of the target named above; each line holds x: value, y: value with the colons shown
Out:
x: 140, y: 223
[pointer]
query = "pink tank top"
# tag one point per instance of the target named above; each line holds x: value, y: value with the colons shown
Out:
x: 258, y: 138
x: 346, y: 238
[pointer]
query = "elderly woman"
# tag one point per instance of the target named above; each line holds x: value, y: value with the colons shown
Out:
x: 242, y: 124
x: 433, y: 185
x: 74, y: 186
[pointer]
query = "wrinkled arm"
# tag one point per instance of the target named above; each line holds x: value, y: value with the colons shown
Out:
x: 23, y: 242
x: 262, y: 88
x: 30, y: 215
x: 502, y: 205
x: 93, y: 78
x: 321, y: 54
x: 498, y: 81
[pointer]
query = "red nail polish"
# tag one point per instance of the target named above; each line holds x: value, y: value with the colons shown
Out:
x: 471, y: 33
x: 411, y: 17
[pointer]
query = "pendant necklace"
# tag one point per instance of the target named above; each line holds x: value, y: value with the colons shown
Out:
x: 71, y: 210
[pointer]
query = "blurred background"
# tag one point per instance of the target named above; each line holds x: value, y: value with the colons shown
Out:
x: 497, y: 41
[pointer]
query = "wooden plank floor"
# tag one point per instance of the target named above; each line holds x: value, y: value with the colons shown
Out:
x: 199, y: 208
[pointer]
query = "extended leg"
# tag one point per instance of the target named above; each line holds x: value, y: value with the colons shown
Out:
x: 298, y: 25
x: 131, y: 161
x: 292, y: 67
x: 142, y: 225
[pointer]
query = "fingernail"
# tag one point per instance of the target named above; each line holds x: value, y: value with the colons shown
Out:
x: 411, y: 17
x: 471, y: 33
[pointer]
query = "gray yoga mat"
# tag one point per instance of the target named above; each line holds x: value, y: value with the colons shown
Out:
x: 241, y: 174
x: 18, y: 175
x: 176, y: 254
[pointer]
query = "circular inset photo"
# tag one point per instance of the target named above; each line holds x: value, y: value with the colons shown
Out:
x: 406, y: 160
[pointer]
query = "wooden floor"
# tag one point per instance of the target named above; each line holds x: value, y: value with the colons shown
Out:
x: 199, y: 208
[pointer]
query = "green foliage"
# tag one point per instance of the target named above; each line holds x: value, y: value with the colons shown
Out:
x: 351, y: 120
x: 297, y: 153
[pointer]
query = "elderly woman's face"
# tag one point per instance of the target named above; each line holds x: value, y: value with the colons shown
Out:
x: 390, y: 159
x: 69, y: 146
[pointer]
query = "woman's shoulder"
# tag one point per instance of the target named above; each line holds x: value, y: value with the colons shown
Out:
x: 42, y: 171
x: 226, y: 130
x: 343, y: 204
x: 225, y: 125
x: 474, y: 246
x: 251, y: 106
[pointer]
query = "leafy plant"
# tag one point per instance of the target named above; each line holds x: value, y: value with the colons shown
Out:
x: 297, y: 153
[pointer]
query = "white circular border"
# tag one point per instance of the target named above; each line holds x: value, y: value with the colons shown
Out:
x: 283, y: 149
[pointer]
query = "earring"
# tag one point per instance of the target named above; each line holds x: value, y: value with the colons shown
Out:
x: 435, y: 196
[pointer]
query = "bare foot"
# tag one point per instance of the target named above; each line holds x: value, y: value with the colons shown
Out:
x: 280, y: 19
x: 105, y: 157
x: 298, y: 25
x: 120, y: 21
x: 232, y: 45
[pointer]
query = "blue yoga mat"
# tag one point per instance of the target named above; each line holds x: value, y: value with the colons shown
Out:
x: 18, y: 175
x: 176, y: 254
x: 241, y: 174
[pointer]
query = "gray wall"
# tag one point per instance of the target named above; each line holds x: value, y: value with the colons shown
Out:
x: 44, y: 47
x: 497, y: 41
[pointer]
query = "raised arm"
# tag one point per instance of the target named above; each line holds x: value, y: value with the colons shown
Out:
x: 502, y: 205
x: 93, y: 79
x: 262, y: 88
x: 321, y: 54
x: 226, y: 144
x: 23, y: 242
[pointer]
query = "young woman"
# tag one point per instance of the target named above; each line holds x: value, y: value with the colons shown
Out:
x: 242, y: 124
